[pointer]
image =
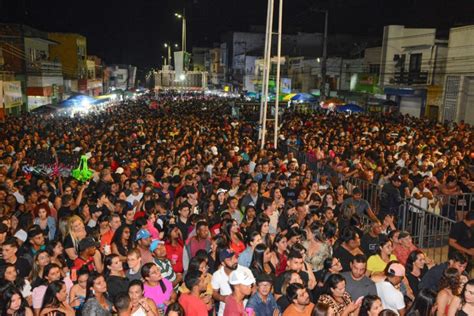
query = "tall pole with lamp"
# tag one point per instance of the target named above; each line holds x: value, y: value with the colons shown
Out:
x: 277, y: 94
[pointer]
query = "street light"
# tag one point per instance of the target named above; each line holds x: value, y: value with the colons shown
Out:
x: 169, y: 53
x: 183, y: 31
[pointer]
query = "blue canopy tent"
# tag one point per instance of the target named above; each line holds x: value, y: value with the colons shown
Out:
x: 353, y: 108
x: 78, y: 100
x: 304, y: 97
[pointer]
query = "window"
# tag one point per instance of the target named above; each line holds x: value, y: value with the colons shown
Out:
x: 374, y: 68
x: 415, y: 62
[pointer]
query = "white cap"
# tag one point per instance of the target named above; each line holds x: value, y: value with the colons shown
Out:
x: 236, y: 149
x: 119, y: 170
x: 221, y: 190
x: 22, y: 235
x: 214, y: 150
x: 242, y: 275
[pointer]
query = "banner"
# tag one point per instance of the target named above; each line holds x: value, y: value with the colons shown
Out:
x: 285, y: 85
x: 178, y: 64
x: 12, y: 94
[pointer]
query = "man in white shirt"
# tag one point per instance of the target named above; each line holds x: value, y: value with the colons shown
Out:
x: 420, y: 195
x: 135, y: 197
x: 220, y: 278
x: 391, y: 297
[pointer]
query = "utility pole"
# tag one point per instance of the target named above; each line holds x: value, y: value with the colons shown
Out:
x: 268, y: 64
x: 325, y: 55
x: 277, y: 99
x: 268, y: 44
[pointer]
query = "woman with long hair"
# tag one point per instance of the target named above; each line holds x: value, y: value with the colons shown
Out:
x: 41, y: 260
x: 448, y: 289
x: 376, y: 263
x: 9, y: 276
x: 279, y: 250
x: 174, y: 247
x: 77, y: 295
x: 141, y: 306
x: 261, y: 261
x: 76, y: 231
x: 371, y: 306
x: 13, y: 304
x: 45, y: 221
x: 263, y: 227
x: 463, y: 305
x: 174, y: 309
x: 56, y: 253
x: 424, y: 304
x: 317, y: 250
x: 121, y: 242
x: 288, y: 277
x: 55, y: 300
x: 114, y: 275
x: 97, y: 303
x: 336, y: 297
x: 330, y: 266
x: 236, y: 241
x: 157, y: 288
x: 415, y: 269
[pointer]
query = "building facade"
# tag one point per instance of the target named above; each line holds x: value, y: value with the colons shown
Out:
x: 458, y: 98
x: 412, y: 69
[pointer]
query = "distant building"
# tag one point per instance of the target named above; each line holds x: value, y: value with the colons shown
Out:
x: 412, y: 69
x: 458, y: 98
x: 29, y: 71
x: 121, y: 77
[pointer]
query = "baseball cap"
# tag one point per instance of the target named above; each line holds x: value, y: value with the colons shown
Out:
x: 221, y: 190
x: 263, y: 277
x: 88, y: 242
x: 21, y: 234
x: 397, y: 269
x: 119, y: 170
x: 154, y: 244
x: 242, y: 275
x: 225, y: 254
x: 396, y: 178
x: 142, y: 233
x: 34, y: 231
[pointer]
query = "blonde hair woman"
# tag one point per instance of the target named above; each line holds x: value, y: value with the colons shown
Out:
x: 76, y: 231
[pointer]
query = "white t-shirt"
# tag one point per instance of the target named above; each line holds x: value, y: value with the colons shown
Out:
x: 220, y: 281
x: 132, y: 198
x: 391, y: 297
x: 423, y: 202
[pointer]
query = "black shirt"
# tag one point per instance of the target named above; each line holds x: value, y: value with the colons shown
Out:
x: 64, y: 212
x: 344, y: 256
x: 462, y: 234
x: 116, y: 285
x: 22, y: 266
x: 369, y: 244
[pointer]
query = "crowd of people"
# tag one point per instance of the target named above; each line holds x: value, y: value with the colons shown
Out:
x: 184, y: 214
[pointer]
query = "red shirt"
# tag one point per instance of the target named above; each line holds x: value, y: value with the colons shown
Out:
x: 233, y: 308
x: 175, y: 256
x: 80, y: 262
x: 192, y: 305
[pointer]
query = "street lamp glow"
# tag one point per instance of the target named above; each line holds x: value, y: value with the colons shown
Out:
x: 179, y: 16
x: 166, y: 45
x: 176, y: 45
x: 182, y: 77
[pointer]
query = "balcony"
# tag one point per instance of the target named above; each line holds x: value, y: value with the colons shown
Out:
x: 410, y: 78
x: 44, y: 68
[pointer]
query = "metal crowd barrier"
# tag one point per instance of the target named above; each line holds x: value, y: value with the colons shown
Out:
x: 459, y: 203
x: 429, y: 231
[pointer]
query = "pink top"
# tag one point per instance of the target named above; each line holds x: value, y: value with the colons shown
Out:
x: 152, y: 230
x: 156, y: 293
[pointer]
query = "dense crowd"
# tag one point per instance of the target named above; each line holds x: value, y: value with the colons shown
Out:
x: 184, y: 214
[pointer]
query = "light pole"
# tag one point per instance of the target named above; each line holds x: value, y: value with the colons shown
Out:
x: 183, y: 31
x: 324, y: 59
x: 169, y: 53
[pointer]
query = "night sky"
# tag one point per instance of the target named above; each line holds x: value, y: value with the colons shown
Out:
x: 133, y: 32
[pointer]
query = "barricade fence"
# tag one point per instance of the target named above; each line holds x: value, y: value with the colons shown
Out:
x: 429, y: 231
x: 429, y: 227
